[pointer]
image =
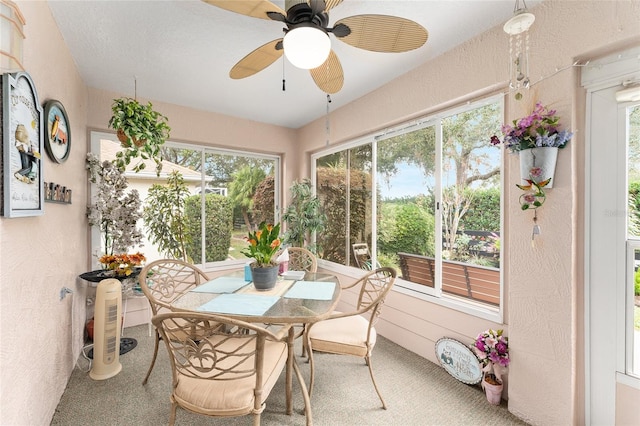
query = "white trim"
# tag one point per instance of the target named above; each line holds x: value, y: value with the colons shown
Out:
x: 587, y: 264
x: 626, y: 364
x: 627, y: 380
x: 437, y: 195
x: 605, y: 289
x: 600, y: 73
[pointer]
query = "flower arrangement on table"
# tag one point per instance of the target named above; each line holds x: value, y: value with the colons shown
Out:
x: 492, y: 349
x: 263, y: 245
x: 123, y: 264
x: 538, y: 129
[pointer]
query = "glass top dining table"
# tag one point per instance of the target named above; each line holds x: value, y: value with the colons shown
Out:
x: 291, y: 301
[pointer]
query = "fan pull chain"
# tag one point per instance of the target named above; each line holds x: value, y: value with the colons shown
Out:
x: 283, y: 81
x: 327, y: 122
x: 536, y: 228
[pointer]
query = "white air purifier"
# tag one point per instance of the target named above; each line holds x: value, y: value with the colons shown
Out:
x: 106, y: 330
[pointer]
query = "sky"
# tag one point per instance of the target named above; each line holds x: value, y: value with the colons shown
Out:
x: 408, y: 182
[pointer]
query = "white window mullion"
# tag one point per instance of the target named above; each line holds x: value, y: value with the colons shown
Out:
x: 374, y: 204
x: 438, y: 210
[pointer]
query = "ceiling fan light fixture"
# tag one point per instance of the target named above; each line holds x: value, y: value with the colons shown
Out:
x: 306, y: 47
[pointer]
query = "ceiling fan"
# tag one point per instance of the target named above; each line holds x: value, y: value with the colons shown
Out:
x: 307, y: 21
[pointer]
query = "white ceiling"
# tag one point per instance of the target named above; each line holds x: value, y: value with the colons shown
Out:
x: 181, y: 51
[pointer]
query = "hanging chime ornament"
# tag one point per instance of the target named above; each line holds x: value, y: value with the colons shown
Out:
x: 518, y: 29
x: 533, y: 198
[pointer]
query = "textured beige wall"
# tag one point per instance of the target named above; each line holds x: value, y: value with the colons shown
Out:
x: 544, y: 300
x: 41, y: 335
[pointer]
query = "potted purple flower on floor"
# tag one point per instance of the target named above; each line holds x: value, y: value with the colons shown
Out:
x: 492, y: 349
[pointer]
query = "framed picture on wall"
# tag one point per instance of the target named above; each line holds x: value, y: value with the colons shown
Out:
x: 22, y: 130
x: 57, y: 133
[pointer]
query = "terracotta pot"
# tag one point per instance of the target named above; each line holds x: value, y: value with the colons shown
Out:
x: 90, y: 329
x: 124, y: 141
x: 122, y: 137
x: 493, y: 389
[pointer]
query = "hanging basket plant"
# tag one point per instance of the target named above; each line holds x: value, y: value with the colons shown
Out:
x: 141, y: 132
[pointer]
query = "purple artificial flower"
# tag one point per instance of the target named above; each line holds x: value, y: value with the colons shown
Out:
x: 494, y: 140
x: 539, y: 129
x: 501, y: 347
x: 494, y: 357
x: 525, y: 122
x: 504, y: 360
x: 506, y: 129
x: 563, y: 137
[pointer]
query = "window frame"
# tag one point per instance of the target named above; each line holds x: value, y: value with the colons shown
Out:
x: 96, y: 136
x: 435, y: 296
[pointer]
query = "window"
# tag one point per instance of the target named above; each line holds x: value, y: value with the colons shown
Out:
x: 632, y: 322
x: 230, y: 190
x: 425, y: 199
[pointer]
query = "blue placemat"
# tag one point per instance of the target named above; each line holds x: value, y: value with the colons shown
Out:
x: 316, y: 290
x: 221, y: 285
x: 239, y: 304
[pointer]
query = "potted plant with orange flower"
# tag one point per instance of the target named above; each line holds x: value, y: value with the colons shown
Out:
x: 263, y: 245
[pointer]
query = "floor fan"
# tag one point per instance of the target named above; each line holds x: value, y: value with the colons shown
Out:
x: 106, y: 332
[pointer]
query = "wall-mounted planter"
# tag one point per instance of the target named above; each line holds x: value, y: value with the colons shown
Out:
x: 544, y: 158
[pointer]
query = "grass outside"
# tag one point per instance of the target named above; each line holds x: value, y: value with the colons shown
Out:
x: 238, y: 242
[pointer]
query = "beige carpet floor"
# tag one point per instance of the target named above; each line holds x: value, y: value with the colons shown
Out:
x: 417, y: 392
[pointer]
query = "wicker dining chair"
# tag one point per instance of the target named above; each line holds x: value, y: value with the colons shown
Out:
x: 232, y: 370
x: 163, y: 281
x: 353, y: 333
x: 302, y: 259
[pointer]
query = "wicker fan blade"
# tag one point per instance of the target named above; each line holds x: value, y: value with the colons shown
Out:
x: 383, y: 33
x: 319, y: 6
x: 331, y: 4
x: 329, y: 76
x: 257, y: 60
x: 255, y: 8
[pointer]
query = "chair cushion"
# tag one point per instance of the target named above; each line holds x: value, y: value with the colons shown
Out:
x: 346, y: 335
x: 231, y: 397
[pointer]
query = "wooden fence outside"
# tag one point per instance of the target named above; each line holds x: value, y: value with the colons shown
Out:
x: 475, y: 282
